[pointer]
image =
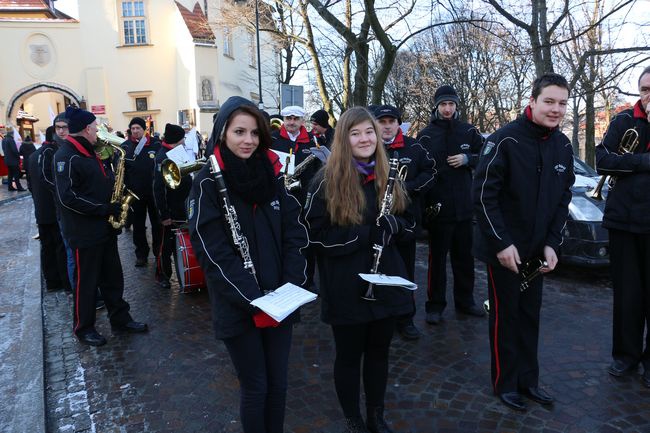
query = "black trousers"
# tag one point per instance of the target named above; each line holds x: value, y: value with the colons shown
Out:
x: 165, y: 253
x: 629, y: 256
x: 141, y: 208
x: 261, y: 359
x: 454, y: 238
x: 407, y: 252
x: 370, y: 341
x: 53, y: 257
x: 514, y: 330
x: 98, y: 266
x: 13, y: 176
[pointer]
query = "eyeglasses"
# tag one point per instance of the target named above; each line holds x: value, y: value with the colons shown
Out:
x: 62, y: 128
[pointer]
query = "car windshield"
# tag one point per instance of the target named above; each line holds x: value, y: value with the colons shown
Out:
x: 581, y: 167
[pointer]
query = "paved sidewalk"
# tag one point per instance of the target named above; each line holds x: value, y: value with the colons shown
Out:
x: 178, y: 378
x: 22, y: 398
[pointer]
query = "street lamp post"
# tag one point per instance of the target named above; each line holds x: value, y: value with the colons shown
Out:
x: 259, y: 62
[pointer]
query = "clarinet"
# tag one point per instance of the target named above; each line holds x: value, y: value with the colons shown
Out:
x: 230, y: 215
x: 386, y: 205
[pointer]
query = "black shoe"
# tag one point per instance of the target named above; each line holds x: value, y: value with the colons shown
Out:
x: 646, y: 378
x: 20, y: 188
x: 140, y: 262
x: 131, y: 327
x: 472, y: 310
x: 355, y: 425
x: 619, y: 368
x: 92, y: 338
x: 11, y: 188
x: 164, y: 284
x: 409, y: 332
x: 376, y: 422
x: 513, y: 400
x: 434, y: 318
x: 100, y: 304
x: 539, y: 395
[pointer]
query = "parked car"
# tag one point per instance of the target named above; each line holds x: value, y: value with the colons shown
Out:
x: 586, y: 242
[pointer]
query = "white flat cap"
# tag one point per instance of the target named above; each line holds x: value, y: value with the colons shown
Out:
x: 293, y: 110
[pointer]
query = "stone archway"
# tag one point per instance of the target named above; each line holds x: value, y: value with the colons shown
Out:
x: 24, y: 93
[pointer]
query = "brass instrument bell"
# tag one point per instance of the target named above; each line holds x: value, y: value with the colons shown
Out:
x: 172, y: 173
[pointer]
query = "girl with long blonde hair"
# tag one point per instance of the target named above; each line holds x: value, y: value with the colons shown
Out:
x: 342, y: 217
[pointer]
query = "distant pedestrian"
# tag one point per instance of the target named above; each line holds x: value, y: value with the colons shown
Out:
x: 26, y: 149
x: 12, y: 160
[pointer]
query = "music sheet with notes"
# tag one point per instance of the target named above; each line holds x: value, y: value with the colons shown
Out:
x: 283, y: 301
x: 388, y: 280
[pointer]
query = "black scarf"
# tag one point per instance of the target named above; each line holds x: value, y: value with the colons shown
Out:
x: 252, y: 179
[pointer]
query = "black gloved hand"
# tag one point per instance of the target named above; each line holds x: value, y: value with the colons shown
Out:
x: 382, y: 233
x: 114, y: 209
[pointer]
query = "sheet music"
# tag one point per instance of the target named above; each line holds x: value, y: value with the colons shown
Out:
x: 388, y: 280
x: 283, y: 301
x: 283, y: 160
x: 179, y: 155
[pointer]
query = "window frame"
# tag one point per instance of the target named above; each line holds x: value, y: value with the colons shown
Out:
x: 138, y: 25
x: 227, y: 42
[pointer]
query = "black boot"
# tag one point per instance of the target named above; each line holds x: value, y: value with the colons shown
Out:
x: 355, y: 425
x: 376, y: 422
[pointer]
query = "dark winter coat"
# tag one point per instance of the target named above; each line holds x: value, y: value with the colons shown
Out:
x: 453, y: 186
x: 44, y: 207
x: 342, y: 252
x: 139, y: 169
x: 83, y: 190
x: 419, y: 166
x: 170, y: 202
x: 12, y: 155
x: 522, y: 190
x: 628, y: 202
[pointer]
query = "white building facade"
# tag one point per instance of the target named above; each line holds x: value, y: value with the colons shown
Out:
x: 160, y: 59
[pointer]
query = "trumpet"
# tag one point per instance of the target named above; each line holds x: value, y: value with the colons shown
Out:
x: 529, y: 271
x: 629, y: 143
x: 173, y: 174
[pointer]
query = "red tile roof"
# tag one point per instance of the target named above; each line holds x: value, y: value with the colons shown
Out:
x: 30, y: 6
x: 196, y: 23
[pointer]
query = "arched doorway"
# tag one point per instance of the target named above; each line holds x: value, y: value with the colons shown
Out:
x: 39, y: 99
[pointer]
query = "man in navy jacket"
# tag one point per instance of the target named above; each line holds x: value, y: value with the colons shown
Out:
x: 84, y: 189
x: 522, y: 193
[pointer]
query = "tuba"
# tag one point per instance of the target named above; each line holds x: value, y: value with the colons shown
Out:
x: 120, y: 193
x: 173, y: 173
x: 629, y: 143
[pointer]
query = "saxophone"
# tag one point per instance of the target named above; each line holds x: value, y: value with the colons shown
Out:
x: 120, y: 193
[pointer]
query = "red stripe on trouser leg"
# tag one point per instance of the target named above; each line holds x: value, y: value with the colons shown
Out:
x: 77, y: 294
x: 496, y: 327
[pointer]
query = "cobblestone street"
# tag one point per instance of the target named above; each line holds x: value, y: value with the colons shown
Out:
x: 178, y: 378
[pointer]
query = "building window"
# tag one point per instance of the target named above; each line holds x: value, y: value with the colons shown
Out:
x: 227, y: 42
x: 252, y: 53
x: 134, y: 22
x: 141, y: 104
